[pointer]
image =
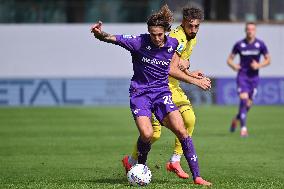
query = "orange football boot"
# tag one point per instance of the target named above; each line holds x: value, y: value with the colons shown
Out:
x: 201, y: 181
x: 176, y: 168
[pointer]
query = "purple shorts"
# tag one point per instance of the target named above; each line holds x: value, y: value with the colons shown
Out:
x: 248, y: 85
x: 147, y: 102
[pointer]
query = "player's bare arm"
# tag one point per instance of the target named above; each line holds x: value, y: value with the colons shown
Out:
x: 175, y: 72
x: 255, y: 65
x: 230, y: 62
x: 184, y: 66
x: 198, y: 74
x: 96, y: 29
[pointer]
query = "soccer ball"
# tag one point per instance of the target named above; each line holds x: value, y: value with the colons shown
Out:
x: 139, y: 175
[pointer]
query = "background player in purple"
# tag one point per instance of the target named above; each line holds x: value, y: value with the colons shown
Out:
x: 250, y: 50
x: 149, y: 92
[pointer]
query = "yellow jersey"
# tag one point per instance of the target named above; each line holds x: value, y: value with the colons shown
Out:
x: 184, y: 49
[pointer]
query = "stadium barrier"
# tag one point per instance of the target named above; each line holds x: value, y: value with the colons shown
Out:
x: 114, y: 92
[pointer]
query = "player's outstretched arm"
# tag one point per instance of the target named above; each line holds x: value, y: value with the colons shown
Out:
x: 176, y: 73
x: 96, y: 29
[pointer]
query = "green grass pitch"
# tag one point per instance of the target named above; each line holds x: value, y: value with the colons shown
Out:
x: 83, y: 147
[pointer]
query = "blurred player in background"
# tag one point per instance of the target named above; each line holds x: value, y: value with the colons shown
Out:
x: 186, y: 36
x: 250, y: 50
x: 149, y: 90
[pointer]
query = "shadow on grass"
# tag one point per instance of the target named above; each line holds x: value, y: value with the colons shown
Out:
x: 123, y: 181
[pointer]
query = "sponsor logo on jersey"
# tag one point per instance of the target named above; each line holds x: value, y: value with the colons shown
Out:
x: 128, y: 36
x: 250, y: 52
x: 155, y: 61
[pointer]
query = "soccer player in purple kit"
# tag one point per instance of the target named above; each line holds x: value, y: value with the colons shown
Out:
x: 154, y: 58
x: 250, y: 50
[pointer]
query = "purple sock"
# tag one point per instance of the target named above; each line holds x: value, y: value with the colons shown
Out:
x: 238, y: 116
x: 243, y: 109
x: 143, y: 149
x: 190, y: 155
x: 248, y: 108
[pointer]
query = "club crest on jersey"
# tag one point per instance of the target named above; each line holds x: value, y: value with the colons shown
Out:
x: 128, y: 36
x: 243, y: 45
x: 170, y: 49
x: 148, y: 48
x: 257, y: 45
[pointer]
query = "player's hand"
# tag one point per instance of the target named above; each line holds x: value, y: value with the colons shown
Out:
x: 204, y: 83
x: 254, y: 65
x: 97, y: 28
x: 198, y: 74
x: 183, y: 64
x: 236, y: 67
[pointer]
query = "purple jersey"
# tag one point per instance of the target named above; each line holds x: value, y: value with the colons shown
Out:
x: 249, y: 52
x: 150, y: 63
x: 149, y: 90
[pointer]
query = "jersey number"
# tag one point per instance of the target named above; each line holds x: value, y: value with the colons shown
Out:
x: 167, y: 99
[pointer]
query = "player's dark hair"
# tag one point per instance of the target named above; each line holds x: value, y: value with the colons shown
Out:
x: 249, y: 23
x: 164, y: 18
x: 190, y: 13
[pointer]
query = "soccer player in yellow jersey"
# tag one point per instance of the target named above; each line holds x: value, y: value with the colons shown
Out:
x: 186, y: 36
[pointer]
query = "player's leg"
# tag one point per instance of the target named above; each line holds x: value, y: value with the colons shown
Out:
x: 174, y: 122
x: 144, y: 140
x: 243, y: 89
x: 142, y: 116
x: 156, y: 135
x: 180, y: 100
x: 168, y: 114
x: 173, y: 165
x: 252, y: 95
x: 129, y: 160
x: 247, y: 100
x: 157, y: 128
x: 243, y: 109
x: 188, y: 118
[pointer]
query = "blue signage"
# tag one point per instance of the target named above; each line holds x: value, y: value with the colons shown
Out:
x: 62, y: 92
x: 269, y: 92
x: 103, y: 92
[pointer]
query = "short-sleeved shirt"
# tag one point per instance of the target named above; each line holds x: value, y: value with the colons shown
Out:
x: 249, y: 52
x: 149, y: 88
x: 184, y: 49
x: 151, y: 64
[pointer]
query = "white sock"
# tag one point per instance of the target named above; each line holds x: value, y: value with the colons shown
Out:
x: 244, y: 128
x: 175, y: 158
